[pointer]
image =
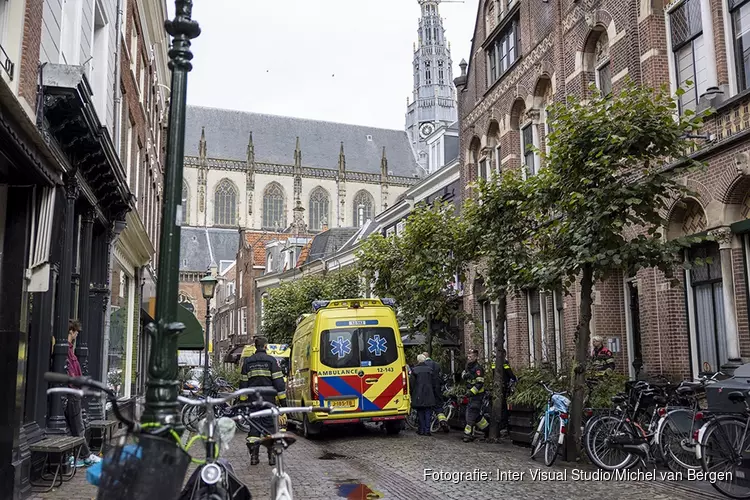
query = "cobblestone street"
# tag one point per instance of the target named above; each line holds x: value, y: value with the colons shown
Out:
x: 367, y: 464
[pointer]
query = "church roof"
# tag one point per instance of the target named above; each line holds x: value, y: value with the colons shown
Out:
x: 200, y: 245
x: 329, y: 242
x: 274, y: 138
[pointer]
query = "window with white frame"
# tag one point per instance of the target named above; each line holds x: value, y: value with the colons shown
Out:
x: 240, y: 286
x: 498, y: 159
x: 483, y: 168
x: 527, y: 148
x: 70, y: 32
x: 688, y: 48
x: 263, y: 309
x: 534, y: 303
x: 740, y: 13
x: 133, y: 47
x: 243, y: 319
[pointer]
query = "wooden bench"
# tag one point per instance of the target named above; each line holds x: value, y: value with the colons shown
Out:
x: 56, y: 450
x: 101, y: 433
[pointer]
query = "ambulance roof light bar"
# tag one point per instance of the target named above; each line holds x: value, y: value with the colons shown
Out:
x: 389, y: 302
x: 320, y: 304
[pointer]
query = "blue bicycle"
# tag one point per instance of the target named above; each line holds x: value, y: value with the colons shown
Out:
x: 550, y: 433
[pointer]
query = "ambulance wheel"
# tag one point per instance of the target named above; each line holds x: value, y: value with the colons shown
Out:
x: 309, y: 430
x: 393, y: 428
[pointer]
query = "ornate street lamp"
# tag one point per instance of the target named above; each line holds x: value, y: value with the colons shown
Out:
x: 162, y: 386
x: 208, y: 288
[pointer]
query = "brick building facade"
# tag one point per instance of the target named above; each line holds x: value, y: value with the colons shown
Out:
x: 527, y: 54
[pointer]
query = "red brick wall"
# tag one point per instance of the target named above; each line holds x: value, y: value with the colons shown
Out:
x: 552, y: 42
x: 32, y: 39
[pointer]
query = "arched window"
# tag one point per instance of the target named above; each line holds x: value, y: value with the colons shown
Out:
x: 319, y: 203
x: 225, y: 204
x: 273, y: 207
x: 602, y: 64
x: 363, y: 207
x: 427, y: 73
x: 184, y: 203
x: 441, y: 73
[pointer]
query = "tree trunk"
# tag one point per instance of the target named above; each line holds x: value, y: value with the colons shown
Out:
x: 498, y: 378
x: 428, y: 338
x: 583, y: 333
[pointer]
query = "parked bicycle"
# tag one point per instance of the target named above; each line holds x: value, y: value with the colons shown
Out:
x: 723, y: 447
x: 550, y: 433
x: 215, y: 479
x: 191, y: 415
x: 146, y: 462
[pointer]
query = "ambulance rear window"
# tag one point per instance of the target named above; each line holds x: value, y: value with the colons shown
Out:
x: 358, y: 347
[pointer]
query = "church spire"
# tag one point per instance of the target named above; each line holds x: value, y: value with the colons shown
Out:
x: 433, y: 98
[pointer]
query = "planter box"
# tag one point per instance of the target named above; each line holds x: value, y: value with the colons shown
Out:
x: 522, y: 423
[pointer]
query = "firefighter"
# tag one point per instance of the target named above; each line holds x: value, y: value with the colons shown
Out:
x: 602, y: 358
x: 435, y: 367
x: 473, y: 376
x: 262, y: 370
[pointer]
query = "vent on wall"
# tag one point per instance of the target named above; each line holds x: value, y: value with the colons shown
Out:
x: 369, y: 138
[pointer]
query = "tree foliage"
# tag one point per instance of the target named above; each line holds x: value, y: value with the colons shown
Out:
x: 501, y: 230
x: 602, y: 195
x: 418, y: 268
x: 290, y: 300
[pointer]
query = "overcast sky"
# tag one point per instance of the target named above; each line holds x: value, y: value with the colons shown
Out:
x: 337, y: 60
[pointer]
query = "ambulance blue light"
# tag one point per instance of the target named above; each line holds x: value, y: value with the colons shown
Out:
x: 388, y: 302
x: 320, y: 304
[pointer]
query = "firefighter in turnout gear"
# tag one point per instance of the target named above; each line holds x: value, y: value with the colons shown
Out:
x: 473, y: 376
x: 262, y: 370
x: 438, y: 410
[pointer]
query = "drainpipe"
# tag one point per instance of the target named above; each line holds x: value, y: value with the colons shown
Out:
x: 117, y: 139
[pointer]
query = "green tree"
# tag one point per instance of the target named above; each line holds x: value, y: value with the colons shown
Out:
x: 501, y: 225
x: 292, y: 299
x: 601, y: 196
x: 419, y: 267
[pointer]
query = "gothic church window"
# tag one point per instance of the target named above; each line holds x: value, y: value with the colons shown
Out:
x: 184, y: 204
x: 225, y: 204
x: 363, y: 207
x: 427, y: 73
x: 441, y: 73
x: 319, y: 203
x: 273, y: 207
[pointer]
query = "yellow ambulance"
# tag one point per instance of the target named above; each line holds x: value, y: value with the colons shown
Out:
x: 348, y: 355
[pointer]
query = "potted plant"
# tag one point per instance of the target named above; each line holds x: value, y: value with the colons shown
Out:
x: 528, y: 400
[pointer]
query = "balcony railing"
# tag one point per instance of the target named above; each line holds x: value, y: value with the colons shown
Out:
x: 6, y: 63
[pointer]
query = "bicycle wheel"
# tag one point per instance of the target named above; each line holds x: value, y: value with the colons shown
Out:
x: 552, y: 443
x: 725, y: 448
x: 676, y: 442
x: 601, y: 453
x: 191, y: 417
x: 537, y: 441
x: 434, y: 423
x: 411, y: 421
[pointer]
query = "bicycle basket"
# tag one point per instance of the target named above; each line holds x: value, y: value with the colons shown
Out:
x: 153, y: 467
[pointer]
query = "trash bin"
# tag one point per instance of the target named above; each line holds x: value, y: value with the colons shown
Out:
x: 717, y: 393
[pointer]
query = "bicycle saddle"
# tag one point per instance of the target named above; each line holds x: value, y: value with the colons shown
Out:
x: 737, y: 397
x: 287, y: 438
x: 689, y: 387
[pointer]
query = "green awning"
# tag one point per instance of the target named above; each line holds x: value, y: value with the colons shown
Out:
x: 742, y: 226
x: 191, y: 338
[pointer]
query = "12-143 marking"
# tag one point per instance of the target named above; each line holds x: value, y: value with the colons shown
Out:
x: 383, y: 369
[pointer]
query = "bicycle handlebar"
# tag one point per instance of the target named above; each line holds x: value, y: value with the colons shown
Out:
x: 550, y: 390
x: 61, y: 378
x: 258, y: 391
x: 289, y: 409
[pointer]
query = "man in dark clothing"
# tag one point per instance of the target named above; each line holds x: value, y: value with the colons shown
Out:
x: 473, y: 376
x: 508, y: 377
x: 424, y: 388
x: 72, y: 404
x: 439, y: 403
x: 262, y: 370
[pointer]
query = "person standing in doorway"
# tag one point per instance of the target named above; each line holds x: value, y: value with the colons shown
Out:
x: 72, y: 404
x: 424, y: 388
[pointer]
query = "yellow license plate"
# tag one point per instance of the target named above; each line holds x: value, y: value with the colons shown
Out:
x: 342, y: 403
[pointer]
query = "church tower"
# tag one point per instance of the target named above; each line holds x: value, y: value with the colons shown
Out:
x: 433, y: 102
